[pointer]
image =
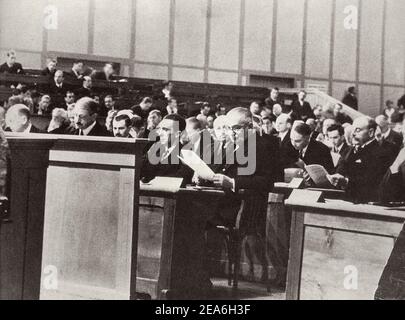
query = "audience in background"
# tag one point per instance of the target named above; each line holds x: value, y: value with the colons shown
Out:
x: 11, y: 65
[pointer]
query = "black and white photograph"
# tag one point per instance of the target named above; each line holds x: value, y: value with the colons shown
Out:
x: 202, y: 150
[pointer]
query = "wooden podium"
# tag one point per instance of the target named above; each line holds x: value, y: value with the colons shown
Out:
x: 72, y: 230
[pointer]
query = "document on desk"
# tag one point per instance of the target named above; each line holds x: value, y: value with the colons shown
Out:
x: 166, y: 184
x: 191, y: 159
x: 318, y: 175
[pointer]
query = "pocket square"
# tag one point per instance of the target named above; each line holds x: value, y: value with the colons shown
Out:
x: 358, y: 161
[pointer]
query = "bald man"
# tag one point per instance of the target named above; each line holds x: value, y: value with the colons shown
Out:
x: 362, y: 169
x: 18, y: 119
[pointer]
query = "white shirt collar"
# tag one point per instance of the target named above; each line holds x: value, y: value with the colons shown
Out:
x: 88, y: 129
x: 385, y: 135
x: 170, y: 110
x: 282, y: 135
x: 304, y: 150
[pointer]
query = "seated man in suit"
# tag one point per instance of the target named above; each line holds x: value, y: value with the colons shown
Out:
x: 11, y: 65
x: 393, y: 184
x: 161, y: 158
x: 387, y: 134
x: 340, y: 116
x: 85, y: 119
x: 122, y: 126
x: 106, y: 74
x: 57, y: 89
x: 85, y: 90
x: 70, y: 99
x: 301, y: 107
x: 288, y: 154
x: 50, y: 68
x: 364, y: 166
x: 336, y: 136
x: 76, y: 73
x: 171, y: 107
x: 143, y: 108
x: 18, y: 119
x: 310, y: 151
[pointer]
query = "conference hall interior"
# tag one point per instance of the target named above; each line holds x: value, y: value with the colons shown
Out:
x: 202, y: 149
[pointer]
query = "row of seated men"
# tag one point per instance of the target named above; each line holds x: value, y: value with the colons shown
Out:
x: 245, y: 152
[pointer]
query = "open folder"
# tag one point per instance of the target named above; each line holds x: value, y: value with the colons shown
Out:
x: 191, y: 159
x: 318, y: 175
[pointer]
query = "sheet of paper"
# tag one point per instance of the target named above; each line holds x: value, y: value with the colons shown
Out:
x: 335, y: 157
x: 318, y: 175
x: 166, y: 184
x: 191, y: 159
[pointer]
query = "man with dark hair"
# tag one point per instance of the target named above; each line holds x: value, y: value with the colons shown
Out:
x: 273, y: 98
x: 310, y: 151
x: 167, y: 89
x: 288, y: 154
x: 364, y: 166
x: 86, y: 89
x: 301, y: 107
x: 18, y: 119
x: 11, y: 65
x: 107, y: 74
x: 77, y: 70
x: 143, y: 108
x: 85, y: 115
x: 122, y: 126
x: 350, y: 98
x: 336, y: 136
x: 340, y: 116
x: 69, y: 100
x: 162, y: 157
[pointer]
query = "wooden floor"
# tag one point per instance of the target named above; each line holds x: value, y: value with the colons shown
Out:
x: 246, y: 291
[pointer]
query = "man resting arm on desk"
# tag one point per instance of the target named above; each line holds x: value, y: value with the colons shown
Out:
x: 362, y: 169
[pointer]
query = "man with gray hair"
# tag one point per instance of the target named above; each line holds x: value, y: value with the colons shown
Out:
x: 59, y: 122
x: 362, y: 169
x: 18, y: 119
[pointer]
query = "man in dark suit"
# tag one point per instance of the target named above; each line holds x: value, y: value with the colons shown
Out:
x: 336, y: 136
x: 11, y: 65
x: 302, y: 107
x: 50, y: 69
x: 161, y: 159
x: 85, y: 115
x: 386, y: 133
x: 76, y: 73
x: 18, y: 119
x: 273, y: 98
x: 107, y: 74
x: 85, y: 90
x: 57, y: 89
x: 288, y: 154
x: 309, y: 151
x: 350, y: 98
x: 364, y: 166
x: 340, y: 116
x: 392, y: 187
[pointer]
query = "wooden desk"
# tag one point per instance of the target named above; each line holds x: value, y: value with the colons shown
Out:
x: 74, y: 209
x: 171, y: 242
x: 338, y: 249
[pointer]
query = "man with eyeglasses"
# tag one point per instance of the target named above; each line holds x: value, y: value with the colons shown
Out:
x: 362, y: 169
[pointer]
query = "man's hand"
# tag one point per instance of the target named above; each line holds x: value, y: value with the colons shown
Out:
x: 398, y: 161
x: 337, y: 180
x: 223, y: 181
